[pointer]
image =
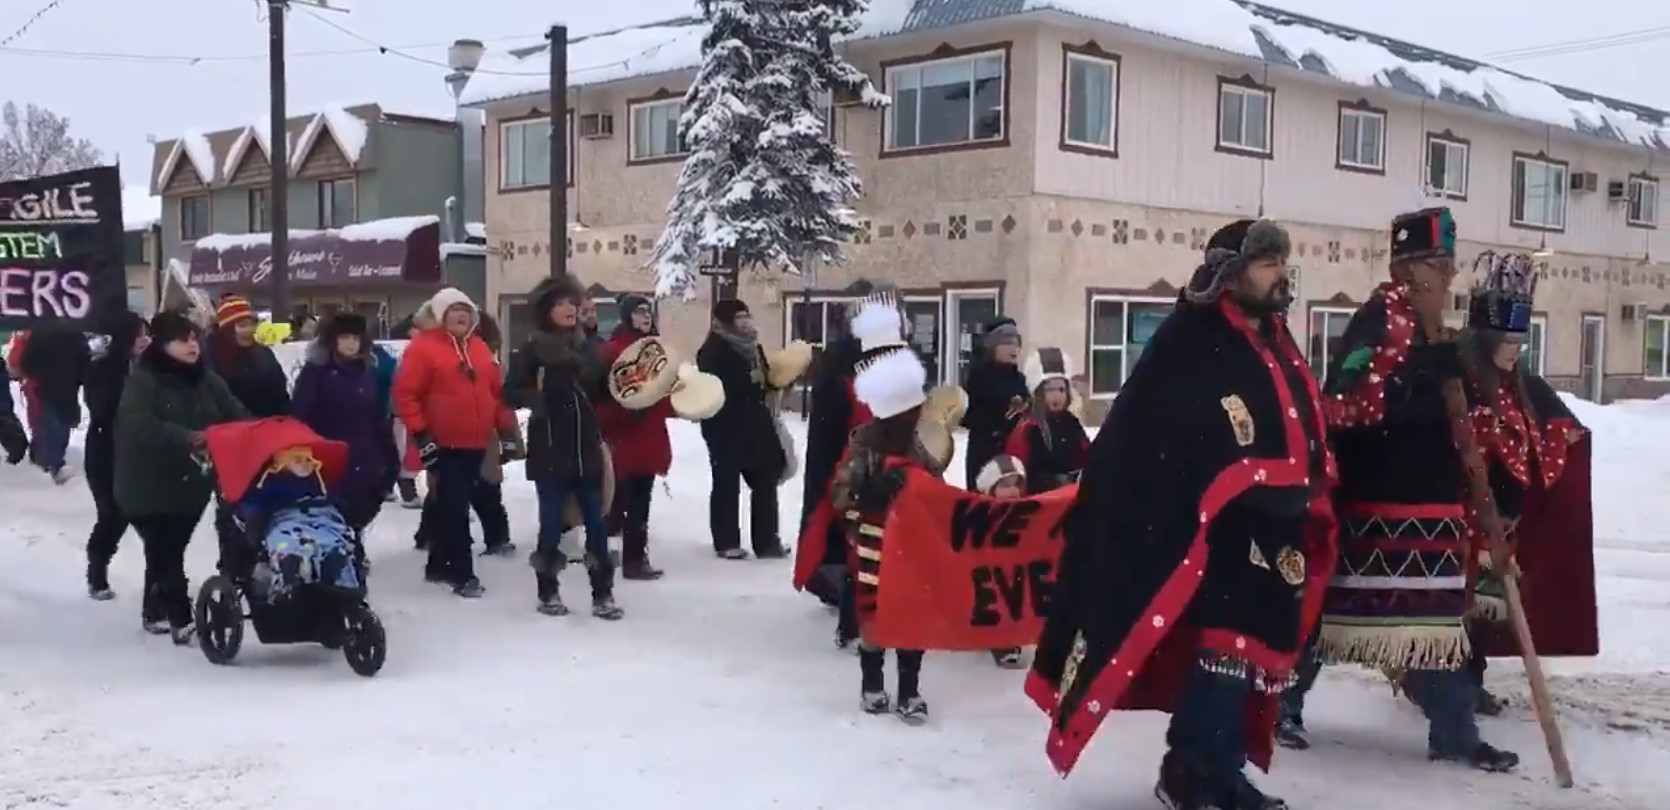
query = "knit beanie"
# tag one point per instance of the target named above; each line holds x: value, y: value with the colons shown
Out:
x: 168, y: 326
x: 726, y: 311
x: 233, y: 309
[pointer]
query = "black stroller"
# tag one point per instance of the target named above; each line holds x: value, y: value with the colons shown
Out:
x: 318, y: 613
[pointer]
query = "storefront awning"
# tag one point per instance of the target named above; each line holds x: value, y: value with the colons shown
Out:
x: 401, y: 249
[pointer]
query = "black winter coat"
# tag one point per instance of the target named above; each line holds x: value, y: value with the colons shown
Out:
x: 55, y: 358
x: 558, y: 376
x: 829, y: 424
x: 252, y: 373
x: 992, y: 389
x: 743, y: 434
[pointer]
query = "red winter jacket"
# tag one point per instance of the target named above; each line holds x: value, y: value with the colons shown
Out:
x: 638, y: 440
x: 451, y: 389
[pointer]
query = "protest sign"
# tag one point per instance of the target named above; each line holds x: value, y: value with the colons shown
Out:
x: 61, y: 248
x: 961, y: 571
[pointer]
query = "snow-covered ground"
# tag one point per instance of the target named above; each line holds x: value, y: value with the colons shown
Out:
x: 720, y: 689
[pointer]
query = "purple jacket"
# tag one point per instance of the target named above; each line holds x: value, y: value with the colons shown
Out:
x: 338, y: 399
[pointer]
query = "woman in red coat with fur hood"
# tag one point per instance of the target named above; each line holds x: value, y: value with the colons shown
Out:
x: 639, y: 445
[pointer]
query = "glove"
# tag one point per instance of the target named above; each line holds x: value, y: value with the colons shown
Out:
x: 428, y: 451
x: 1440, y: 360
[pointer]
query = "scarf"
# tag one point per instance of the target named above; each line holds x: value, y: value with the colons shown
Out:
x: 745, y: 345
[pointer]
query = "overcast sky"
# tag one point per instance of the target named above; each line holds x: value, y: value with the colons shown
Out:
x: 208, y: 57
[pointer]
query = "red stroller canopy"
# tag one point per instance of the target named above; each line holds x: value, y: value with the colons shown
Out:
x: 240, y: 451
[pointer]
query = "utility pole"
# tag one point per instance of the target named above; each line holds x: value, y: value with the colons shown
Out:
x: 278, y: 194
x: 558, y: 37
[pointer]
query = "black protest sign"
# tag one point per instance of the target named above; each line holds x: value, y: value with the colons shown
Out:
x: 61, y: 248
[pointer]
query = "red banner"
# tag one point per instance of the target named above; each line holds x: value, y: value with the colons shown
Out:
x: 961, y: 571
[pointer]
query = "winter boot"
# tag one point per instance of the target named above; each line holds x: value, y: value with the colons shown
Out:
x: 1484, y: 757
x: 499, y: 549
x: 469, y: 588
x: 731, y: 554
x: 151, y: 615
x: 911, y: 708
x: 772, y: 549
x: 407, y: 487
x: 1008, y: 658
x: 63, y: 475
x: 1245, y: 796
x: 550, y: 596
x: 604, y: 607
x: 1180, y: 784
x: 98, y: 582
x: 1290, y: 734
x: 873, y: 697
x: 636, y: 565
x: 184, y: 634
x: 1487, y: 704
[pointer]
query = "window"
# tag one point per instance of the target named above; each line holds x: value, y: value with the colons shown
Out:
x: 258, y: 211
x: 1244, y: 117
x: 1090, y: 105
x: 1643, y: 202
x: 1532, y: 356
x: 525, y: 153
x: 194, y: 217
x: 139, y: 301
x: 1539, y: 193
x: 1327, y: 329
x: 1362, y: 138
x: 336, y: 203
x: 1446, y: 167
x: 946, y: 102
x: 1119, y: 330
x: 655, y: 129
x: 1657, y: 354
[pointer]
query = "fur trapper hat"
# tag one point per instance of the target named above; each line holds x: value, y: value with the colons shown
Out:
x: 1048, y: 363
x: 1001, y: 468
x: 1228, y: 253
x: 890, y: 379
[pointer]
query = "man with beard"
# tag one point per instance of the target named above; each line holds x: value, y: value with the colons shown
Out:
x: 1201, y: 540
x: 1401, y: 598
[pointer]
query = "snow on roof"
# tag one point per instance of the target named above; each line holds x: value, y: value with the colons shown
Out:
x: 348, y: 130
x: 140, y: 208
x: 194, y: 144
x: 1239, y: 27
x: 392, y: 229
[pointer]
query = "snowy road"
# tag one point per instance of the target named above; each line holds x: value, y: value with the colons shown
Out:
x: 719, y: 690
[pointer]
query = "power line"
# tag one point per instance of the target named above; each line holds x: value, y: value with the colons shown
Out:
x: 1582, y: 45
x: 29, y: 23
x: 192, y: 59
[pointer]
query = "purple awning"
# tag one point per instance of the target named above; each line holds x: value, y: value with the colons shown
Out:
x: 399, y: 249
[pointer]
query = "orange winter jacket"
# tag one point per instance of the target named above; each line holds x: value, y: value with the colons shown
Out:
x: 452, y: 390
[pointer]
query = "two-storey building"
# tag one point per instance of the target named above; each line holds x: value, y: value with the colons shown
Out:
x: 368, y: 192
x: 141, y: 247
x: 1066, y: 168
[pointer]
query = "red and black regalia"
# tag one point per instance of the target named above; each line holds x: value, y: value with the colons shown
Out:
x: 1400, y: 593
x: 1049, y: 441
x: 1537, y: 459
x: 891, y: 382
x: 835, y: 414
x: 1197, y: 551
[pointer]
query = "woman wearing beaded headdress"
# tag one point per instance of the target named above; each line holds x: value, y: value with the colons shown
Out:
x: 1527, y: 439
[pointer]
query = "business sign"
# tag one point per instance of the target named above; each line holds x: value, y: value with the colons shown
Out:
x: 61, y: 248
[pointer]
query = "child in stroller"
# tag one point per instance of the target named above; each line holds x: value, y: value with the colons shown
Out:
x: 291, y: 554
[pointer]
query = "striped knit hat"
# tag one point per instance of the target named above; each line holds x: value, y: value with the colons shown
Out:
x: 996, y: 471
x: 233, y: 309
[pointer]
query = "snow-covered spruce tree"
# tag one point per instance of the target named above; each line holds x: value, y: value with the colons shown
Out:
x: 763, y: 178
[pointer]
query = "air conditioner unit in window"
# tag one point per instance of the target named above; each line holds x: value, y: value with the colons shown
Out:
x: 846, y: 97
x: 1632, y: 313
x: 1617, y: 191
x: 1587, y: 182
x: 597, y: 126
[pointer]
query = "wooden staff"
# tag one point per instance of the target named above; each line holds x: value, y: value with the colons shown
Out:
x: 1490, y: 523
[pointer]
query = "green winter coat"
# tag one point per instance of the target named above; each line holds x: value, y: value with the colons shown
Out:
x: 164, y: 406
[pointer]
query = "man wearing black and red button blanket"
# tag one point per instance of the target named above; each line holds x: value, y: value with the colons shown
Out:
x: 1399, y: 598
x: 1201, y: 540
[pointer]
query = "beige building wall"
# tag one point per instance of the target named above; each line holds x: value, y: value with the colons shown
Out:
x: 1053, y: 231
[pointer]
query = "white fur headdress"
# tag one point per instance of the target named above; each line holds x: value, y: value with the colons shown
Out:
x: 996, y: 470
x: 1048, y: 363
x: 890, y: 379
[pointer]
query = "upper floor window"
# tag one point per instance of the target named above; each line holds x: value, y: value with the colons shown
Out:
x: 194, y: 217
x: 1090, y: 101
x: 1446, y: 166
x: 259, y: 211
x: 336, y: 203
x: 1244, y: 117
x: 1533, y: 355
x: 1643, y: 202
x: 946, y: 102
x: 525, y: 153
x: 654, y: 127
x: 1362, y: 138
x: 1539, y: 193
